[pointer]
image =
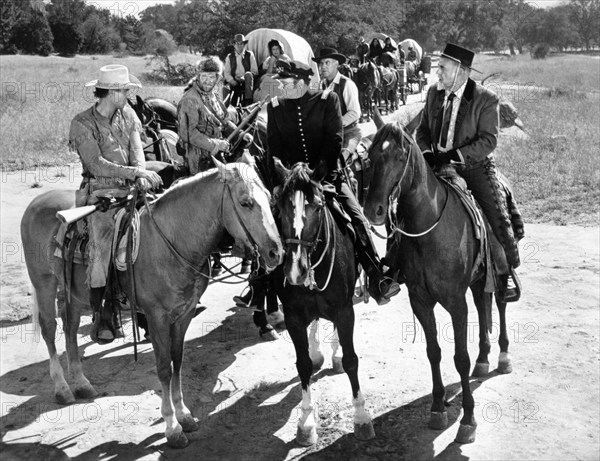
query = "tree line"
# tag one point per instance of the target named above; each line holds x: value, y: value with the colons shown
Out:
x: 208, y: 26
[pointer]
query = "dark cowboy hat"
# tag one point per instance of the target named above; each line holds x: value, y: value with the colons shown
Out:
x: 459, y: 54
x: 292, y: 69
x: 332, y: 53
x: 239, y: 38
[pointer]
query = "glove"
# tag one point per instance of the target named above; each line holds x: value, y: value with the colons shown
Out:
x: 446, y: 157
x: 247, y: 139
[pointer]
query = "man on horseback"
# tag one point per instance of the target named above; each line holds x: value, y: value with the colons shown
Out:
x: 203, y: 123
x: 240, y: 71
x: 307, y: 127
x: 460, y: 126
x: 332, y: 80
x: 107, y: 139
x: 362, y: 49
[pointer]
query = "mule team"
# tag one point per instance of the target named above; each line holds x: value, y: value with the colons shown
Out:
x: 309, y: 134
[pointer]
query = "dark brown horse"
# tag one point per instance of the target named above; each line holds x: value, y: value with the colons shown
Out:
x: 368, y: 81
x: 177, y: 233
x: 436, y: 254
x: 320, y: 270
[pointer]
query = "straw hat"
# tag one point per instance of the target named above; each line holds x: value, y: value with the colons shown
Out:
x: 115, y: 77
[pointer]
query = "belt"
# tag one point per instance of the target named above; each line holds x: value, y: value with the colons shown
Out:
x: 109, y: 181
x: 352, y: 125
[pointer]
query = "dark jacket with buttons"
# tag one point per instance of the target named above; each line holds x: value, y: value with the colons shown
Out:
x: 307, y: 129
x: 477, y: 123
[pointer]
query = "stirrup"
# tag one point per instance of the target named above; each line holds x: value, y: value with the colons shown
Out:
x: 513, y: 293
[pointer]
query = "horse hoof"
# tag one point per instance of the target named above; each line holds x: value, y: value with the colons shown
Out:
x: 466, y: 434
x: 438, y: 420
x: 189, y: 424
x: 306, y: 436
x: 86, y: 391
x: 65, y: 397
x: 269, y: 335
x: 481, y: 369
x: 337, y: 365
x: 364, y: 431
x: 504, y: 363
x: 178, y: 440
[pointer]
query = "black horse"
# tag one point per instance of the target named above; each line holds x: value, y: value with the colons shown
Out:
x: 321, y: 273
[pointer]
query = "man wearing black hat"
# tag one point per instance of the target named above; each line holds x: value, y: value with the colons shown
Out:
x: 306, y: 126
x: 240, y: 71
x: 332, y: 80
x: 460, y: 125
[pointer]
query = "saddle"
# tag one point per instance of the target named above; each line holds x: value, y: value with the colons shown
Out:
x: 387, y: 75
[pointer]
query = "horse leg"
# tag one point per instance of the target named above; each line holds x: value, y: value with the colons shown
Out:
x: 71, y: 317
x: 306, y: 433
x: 45, y: 307
x: 504, y: 361
x: 363, y: 425
x: 160, y: 335
x: 314, y: 346
x: 483, y: 303
x: 336, y: 353
x: 468, y: 425
x: 182, y: 413
x: 424, y: 313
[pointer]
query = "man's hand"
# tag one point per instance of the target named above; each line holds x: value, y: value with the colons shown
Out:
x: 222, y: 145
x: 148, y: 180
x: 247, y: 139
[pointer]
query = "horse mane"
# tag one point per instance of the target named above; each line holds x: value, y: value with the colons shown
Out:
x: 299, y: 179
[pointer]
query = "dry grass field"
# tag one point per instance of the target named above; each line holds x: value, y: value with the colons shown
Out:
x: 554, y: 172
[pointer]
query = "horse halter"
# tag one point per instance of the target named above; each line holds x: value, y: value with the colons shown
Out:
x: 397, y: 190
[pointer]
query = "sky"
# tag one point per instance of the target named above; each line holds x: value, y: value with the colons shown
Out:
x: 134, y: 7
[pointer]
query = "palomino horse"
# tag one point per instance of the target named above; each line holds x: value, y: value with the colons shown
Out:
x: 178, y: 231
x: 436, y: 255
x: 368, y: 81
x: 320, y: 270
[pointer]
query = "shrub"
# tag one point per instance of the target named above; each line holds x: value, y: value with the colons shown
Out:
x: 540, y: 51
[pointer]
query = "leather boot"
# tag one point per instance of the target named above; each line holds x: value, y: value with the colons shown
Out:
x: 103, y: 331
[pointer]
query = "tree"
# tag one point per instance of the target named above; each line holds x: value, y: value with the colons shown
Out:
x: 10, y: 14
x: 65, y: 18
x: 98, y: 35
x: 32, y: 34
x: 585, y: 15
x: 132, y: 32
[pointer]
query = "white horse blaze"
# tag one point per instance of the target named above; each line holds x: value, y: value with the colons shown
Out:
x: 298, y: 227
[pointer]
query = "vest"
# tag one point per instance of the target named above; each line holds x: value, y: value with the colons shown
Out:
x: 233, y: 62
x: 339, y: 90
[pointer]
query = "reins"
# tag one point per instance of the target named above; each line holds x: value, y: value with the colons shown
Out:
x: 397, y: 190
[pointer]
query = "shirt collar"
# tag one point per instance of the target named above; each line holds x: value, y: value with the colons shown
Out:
x: 99, y: 116
x: 457, y: 94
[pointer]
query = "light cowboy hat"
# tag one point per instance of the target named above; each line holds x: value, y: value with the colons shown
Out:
x: 115, y: 77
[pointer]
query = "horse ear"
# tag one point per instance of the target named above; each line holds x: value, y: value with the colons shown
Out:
x: 247, y: 158
x: 221, y: 167
x: 377, y: 118
x: 280, y: 173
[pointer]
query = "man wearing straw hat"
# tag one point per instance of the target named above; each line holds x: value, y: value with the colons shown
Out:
x: 240, y: 71
x: 107, y: 139
x: 459, y: 126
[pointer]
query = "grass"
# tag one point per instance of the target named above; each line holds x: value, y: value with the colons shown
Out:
x: 554, y: 172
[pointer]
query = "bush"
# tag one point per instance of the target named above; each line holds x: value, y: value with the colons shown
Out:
x: 168, y: 74
x: 540, y: 51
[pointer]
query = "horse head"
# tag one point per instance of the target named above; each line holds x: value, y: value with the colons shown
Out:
x: 249, y: 217
x: 391, y: 155
x: 302, y: 208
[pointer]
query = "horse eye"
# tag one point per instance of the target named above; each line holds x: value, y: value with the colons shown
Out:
x: 247, y: 202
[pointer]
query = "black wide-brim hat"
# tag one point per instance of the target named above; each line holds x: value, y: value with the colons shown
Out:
x: 332, y: 53
x: 459, y: 54
x: 292, y: 69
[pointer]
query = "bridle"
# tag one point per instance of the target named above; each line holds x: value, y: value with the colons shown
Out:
x: 397, y: 190
x: 325, y: 220
x: 182, y: 259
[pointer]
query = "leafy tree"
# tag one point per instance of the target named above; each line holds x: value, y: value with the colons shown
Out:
x: 32, y: 34
x: 10, y: 14
x: 585, y: 15
x: 65, y: 18
x: 98, y: 35
x: 132, y: 32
